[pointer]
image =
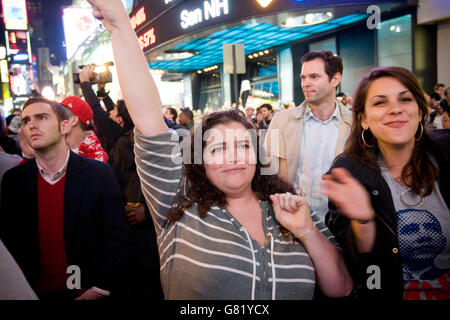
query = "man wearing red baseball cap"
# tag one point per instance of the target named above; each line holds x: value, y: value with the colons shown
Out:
x: 80, y: 138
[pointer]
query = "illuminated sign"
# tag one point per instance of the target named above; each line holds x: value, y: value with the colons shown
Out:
x: 147, y: 39
x: 19, y: 78
x: 79, y: 24
x: 211, y: 9
x: 179, y: 18
x: 15, y: 14
x: 138, y: 18
x: 4, y: 71
x: 264, y: 3
x: 20, y: 57
x: 17, y: 42
x: 2, y: 53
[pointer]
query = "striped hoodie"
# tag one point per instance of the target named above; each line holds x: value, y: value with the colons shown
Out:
x: 214, y: 258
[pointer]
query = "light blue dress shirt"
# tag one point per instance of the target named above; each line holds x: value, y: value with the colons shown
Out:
x: 317, y: 152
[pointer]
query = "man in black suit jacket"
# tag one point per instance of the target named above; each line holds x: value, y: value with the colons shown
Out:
x: 62, y: 210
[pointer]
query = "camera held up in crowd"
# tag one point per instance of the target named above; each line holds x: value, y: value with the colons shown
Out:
x: 101, y: 74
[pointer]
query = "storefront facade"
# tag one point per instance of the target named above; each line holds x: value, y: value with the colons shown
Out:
x: 186, y: 38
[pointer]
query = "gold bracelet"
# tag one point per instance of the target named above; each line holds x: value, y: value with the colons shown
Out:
x: 306, y: 233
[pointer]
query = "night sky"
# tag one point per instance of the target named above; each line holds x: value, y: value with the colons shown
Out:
x: 54, y: 30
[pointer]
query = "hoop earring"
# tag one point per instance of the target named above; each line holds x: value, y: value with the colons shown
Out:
x: 364, y: 140
x: 421, y: 132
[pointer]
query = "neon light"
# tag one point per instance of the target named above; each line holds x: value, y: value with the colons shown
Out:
x: 79, y: 24
x: 211, y: 9
x: 13, y: 39
x: 147, y: 39
x: 4, y: 71
x: 264, y: 3
x: 138, y: 18
x: 20, y: 57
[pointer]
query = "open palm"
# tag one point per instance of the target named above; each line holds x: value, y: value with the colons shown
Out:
x: 348, y: 194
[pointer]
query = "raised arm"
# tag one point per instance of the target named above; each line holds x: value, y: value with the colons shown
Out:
x: 137, y: 85
x: 103, y: 95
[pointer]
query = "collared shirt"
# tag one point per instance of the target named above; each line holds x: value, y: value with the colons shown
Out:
x: 317, y: 152
x: 55, y: 177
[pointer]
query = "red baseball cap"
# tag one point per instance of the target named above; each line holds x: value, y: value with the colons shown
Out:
x: 80, y: 108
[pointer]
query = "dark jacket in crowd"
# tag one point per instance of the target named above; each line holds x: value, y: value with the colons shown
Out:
x: 8, y: 144
x: 385, y: 253
x: 106, y: 129
x: 103, y: 95
x: 144, y: 280
x: 441, y: 137
x: 96, y: 231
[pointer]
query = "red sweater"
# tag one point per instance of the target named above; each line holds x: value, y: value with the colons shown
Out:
x: 51, y: 237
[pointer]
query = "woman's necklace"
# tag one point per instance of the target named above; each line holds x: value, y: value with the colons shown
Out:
x: 410, y: 205
x: 403, y: 196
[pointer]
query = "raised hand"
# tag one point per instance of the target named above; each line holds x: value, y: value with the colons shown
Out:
x: 86, y: 73
x: 350, y: 197
x: 292, y: 211
x: 136, y: 83
x: 108, y: 11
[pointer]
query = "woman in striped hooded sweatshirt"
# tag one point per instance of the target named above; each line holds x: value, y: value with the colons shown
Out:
x: 215, y: 218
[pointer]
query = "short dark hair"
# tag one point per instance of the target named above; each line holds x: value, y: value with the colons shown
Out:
x: 58, y: 109
x: 333, y: 63
x: 188, y: 113
x: 439, y: 85
x: 122, y: 111
x: 435, y: 96
x: 173, y: 112
x: 267, y: 106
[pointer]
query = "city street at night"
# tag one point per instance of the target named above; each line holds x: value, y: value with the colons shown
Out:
x: 225, y: 151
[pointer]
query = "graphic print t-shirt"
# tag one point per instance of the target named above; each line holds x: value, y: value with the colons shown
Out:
x: 424, y: 241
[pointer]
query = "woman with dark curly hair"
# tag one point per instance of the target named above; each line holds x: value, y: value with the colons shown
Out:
x: 390, y: 193
x: 215, y: 217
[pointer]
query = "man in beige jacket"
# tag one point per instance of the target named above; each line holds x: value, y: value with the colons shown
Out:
x: 304, y: 141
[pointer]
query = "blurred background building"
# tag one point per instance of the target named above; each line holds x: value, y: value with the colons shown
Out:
x: 44, y: 43
x: 185, y: 40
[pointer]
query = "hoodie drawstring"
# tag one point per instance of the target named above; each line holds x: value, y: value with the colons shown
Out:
x: 254, y: 264
x: 274, y: 279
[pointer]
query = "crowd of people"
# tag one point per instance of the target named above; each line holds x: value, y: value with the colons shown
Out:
x: 121, y: 200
